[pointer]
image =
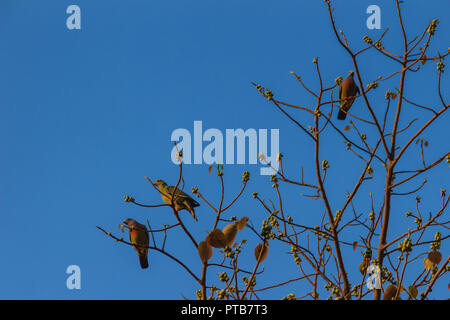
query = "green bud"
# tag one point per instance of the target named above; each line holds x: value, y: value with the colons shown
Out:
x: 128, y: 199
x: 368, y: 40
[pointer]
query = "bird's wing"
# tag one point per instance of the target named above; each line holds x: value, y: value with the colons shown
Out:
x: 178, y: 194
x: 142, y: 238
x: 147, y: 240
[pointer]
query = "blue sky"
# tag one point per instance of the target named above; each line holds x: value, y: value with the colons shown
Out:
x: 86, y: 114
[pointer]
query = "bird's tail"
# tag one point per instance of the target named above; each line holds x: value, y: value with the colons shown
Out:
x: 143, y: 260
x: 191, y: 210
x: 341, y: 115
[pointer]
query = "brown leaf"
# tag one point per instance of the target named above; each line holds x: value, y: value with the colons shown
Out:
x: 389, y: 292
x: 363, y: 266
x: 265, y: 250
x: 355, y: 245
x: 413, y: 291
x: 230, y: 232
x: 347, y: 127
x: 427, y: 263
x: 242, y: 223
x: 204, y: 251
x: 217, y: 239
x: 210, y: 169
x: 435, y: 257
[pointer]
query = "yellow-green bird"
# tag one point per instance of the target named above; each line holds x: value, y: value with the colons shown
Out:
x: 181, y: 200
x: 139, y: 238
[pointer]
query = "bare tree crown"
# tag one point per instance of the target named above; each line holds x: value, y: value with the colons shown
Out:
x: 318, y: 250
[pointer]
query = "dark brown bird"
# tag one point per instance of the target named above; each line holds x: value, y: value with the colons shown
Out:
x: 348, y: 90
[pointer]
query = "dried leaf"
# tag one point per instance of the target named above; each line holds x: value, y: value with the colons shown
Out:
x: 347, y: 127
x: 265, y: 250
x: 242, y: 223
x: 427, y: 263
x: 435, y: 257
x: 217, y: 239
x: 210, y: 169
x: 204, y: 251
x: 363, y: 266
x: 230, y: 232
x: 389, y: 292
x: 413, y: 291
x: 355, y: 245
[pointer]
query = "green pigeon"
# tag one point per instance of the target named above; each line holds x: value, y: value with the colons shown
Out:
x: 347, y: 93
x: 181, y: 200
x: 139, y: 238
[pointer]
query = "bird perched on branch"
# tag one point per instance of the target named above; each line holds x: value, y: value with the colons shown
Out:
x: 181, y: 200
x: 347, y: 94
x: 139, y: 238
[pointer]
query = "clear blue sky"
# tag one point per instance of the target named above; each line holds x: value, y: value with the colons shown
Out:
x: 86, y: 114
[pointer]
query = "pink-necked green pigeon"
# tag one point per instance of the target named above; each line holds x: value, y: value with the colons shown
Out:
x: 347, y: 94
x: 139, y: 238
